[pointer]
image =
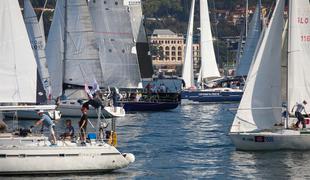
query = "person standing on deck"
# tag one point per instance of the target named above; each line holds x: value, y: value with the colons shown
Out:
x: 83, y: 125
x: 300, y: 107
x: 47, y: 122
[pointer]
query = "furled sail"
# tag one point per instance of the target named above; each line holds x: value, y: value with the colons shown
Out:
x: 187, y: 72
x: 256, y: 110
x: 137, y: 24
x: 117, y: 48
x: 251, y: 42
x: 37, y: 39
x: 72, y: 50
x: 18, y: 67
x: 209, y: 69
x: 299, y: 53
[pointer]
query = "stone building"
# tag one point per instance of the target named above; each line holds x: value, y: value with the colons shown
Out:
x: 167, y: 50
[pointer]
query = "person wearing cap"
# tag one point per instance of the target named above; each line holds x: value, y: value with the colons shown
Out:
x: 300, y: 107
x: 47, y: 122
x: 83, y: 125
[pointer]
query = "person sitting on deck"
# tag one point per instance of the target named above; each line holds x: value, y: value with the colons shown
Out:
x: 300, y: 107
x: 69, y: 131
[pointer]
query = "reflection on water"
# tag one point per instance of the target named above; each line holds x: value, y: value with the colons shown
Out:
x: 190, y: 142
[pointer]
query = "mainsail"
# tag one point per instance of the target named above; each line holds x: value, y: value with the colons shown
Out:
x: 139, y: 34
x: 72, y: 50
x: 187, y: 72
x: 18, y: 67
x: 209, y: 69
x: 299, y: 53
x: 256, y: 110
x: 37, y: 39
x: 117, y: 48
x: 251, y: 42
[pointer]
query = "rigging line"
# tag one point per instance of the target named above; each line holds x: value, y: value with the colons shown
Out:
x: 45, y: 3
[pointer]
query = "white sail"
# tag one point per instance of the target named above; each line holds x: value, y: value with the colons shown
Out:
x: 17, y: 63
x: 251, y: 42
x: 187, y: 72
x: 81, y: 62
x: 55, y: 49
x: 37, y: 39
x: 209, y: 69
x: 257, y: 110
x: 72, y: 50
x: 117, y: 51
x: 299, y: 53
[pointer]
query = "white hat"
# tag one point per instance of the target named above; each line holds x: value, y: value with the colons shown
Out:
x: 40, y: 111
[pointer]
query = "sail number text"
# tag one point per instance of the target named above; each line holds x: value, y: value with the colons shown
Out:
x: 305, y: 38
x: 303, y: 20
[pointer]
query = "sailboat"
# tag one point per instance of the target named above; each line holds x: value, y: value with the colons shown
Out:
x: 258, y: 113
x: 31, y: 153
x: 209, y: 70
x: 122, y: 42
x: 73, y: 57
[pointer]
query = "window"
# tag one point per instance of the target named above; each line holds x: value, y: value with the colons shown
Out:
x: 167, y: 48
x: 173, y: 48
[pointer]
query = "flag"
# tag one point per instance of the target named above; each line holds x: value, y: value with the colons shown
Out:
x: 88, y: 92
x: 95, y: 87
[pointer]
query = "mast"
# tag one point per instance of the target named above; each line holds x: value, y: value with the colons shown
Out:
x: 65, y: 46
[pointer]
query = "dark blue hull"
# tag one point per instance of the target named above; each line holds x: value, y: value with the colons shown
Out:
x: 149, y: 106
x: 211, y: 96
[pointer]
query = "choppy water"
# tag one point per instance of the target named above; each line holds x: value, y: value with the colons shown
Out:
x: 192, y: 142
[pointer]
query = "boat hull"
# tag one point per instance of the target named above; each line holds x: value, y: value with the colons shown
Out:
x: 211, y: 96
x: 31, y: 156
x: 149, y: 106
x: 283, y: 139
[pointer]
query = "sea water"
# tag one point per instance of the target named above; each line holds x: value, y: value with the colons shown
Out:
x: 190, y: 142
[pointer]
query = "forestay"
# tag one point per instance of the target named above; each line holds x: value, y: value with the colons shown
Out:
x: 37, y: 39
x: 17, y: 63
x: 299, y: 53
x: 260, y: 107
x: 209, y: 69
x: 117, y: 50
x: 187, y: 72
x: 251, y: 42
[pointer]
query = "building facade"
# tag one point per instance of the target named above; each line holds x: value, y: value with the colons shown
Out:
x: 168, y: 50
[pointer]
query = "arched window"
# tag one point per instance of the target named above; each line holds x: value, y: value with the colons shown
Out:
x: 167, y: 48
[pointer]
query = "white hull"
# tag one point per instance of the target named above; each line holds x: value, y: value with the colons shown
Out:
x: 35, y: 156
x: 277, y: 140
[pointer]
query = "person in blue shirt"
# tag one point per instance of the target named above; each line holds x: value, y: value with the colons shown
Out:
x: 69, y: 131
x: 300, y: 107
x: 47, y: 122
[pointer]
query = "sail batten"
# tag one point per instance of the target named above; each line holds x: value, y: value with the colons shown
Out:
x: 267, y: 65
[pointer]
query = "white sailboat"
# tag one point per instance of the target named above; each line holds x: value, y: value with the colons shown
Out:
x: 208, y: 70
x: 73, y: 57
x: 253, y: 127
x: 32, y: 154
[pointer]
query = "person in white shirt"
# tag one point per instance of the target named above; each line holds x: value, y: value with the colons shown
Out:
x: 300, y: 107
